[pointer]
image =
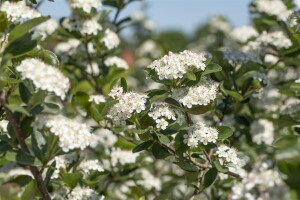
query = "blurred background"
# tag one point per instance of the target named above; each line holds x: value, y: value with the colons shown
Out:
x: 183, y: 15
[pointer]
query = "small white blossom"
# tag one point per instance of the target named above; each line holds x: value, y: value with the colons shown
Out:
x: 69, y: 47
x: 297, y: 81
x: 111, y: 39
x: 273, y: 8
x: 161, y: 123
x: 122, y: 157
x: 218, y: 23
x: 47, y: 28
x: 85, y: 5
x: 62, y: 161
x: 262, y: 131
x: 228, y: 154
x: 16, y: 11
x: 97, y: 99
x: 243, y: 33
x: 84, y: 193
x: 3, y: 126
x: 44, y: 76
x: 174, y: 66
x: 116, y: 61
x: 149, y: 181
x: 90, y: 165
x: 200, y: 133
x: 71, y: 134
x: 128, y: 103
x: 92, y: 68
x: 202, y: 94
x: 84, y: 26
x: 103, y: 137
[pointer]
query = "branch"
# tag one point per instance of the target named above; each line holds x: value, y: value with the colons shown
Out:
x: 17, y: 130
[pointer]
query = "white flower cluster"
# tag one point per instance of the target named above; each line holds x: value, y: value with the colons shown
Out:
x: 228, y: 155
x: 122, y: 157
x: 148, y: 181
x: 202, y: 94
x: 176, y: 65
x: 84, y: 26
x: 273, y: 8
x: 97, y: 99
x: 71, y: 134
x: 90, y: 165
x: 128, y: 103
x: 297, y: 81
x: 3, y: 126
x: 262, y: 131
x: 276, y: 39
x: 62, y: 161
x: 200, y: 133
x: 149, y: 47
x: 264, y: 181
x: 16, y: 11
x: 218, y: 23
x: 104, y: 138
x: 92, y: 68
x: 244, y: 33
x: 111, y: 40
x: 44, y: 76
x: 85, y: 5
x: 69, y: 47
x: 162, y: 113
x: 84, y: 193
x: 47, y: 28
x: 116, y: 61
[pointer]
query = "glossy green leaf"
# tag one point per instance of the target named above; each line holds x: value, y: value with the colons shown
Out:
x: 143, y: 146
x: 209, y: 177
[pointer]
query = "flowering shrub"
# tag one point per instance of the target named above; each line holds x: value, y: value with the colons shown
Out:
x: 217, y: 121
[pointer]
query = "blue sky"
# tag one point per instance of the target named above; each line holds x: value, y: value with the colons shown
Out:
x: 173, y: 14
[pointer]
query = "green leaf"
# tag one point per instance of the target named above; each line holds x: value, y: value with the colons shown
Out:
x: 163, y: 139
x: 45, y: 55
x: 219, y: 167
x: 209, y: 177
x: 224, y: 132
x: 159, y: 152
x: 71, y: 179
x: 25, y: 94
x: 233, y: 94
x: 212, y: 68
x: 143, y: 146
x: 94, y: 112
x: 30, y: 191
x: 156, y: 92
x: 191, y: 76
x: 25, y: 27
x: 124, y: 84
x: 21, y: 45
x: 198, y: 110
x: 18, y: 108
x: 187, y: 166
x: 22, y: 158
x: 3, y: 23
x: 173, y: 102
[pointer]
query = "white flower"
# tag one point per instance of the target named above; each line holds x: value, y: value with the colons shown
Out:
x: 138, y: 16
x: 116, y: 61
x: 47, y: 28
x: 149, y: 47
x: 161, y: 112
x: 128, y: 103
x: 262, y: 131
x: 218, y: 23
x: 71, y: 134
x: 148, y: 181
x: 92, y: 68
x: 275, y: 39
x: 149, y: 25
x: 104, y: 138
x: 16, y: 11
x: 111, y: 39
x: 84, y: 193
x: 84, y: 26
x: 297, y: 81
x: 161, y: 123
x: 243, y: 33
x: 3, y: 126
x: 228, y: 154
x: 69, y: 47
x: 122, y: 157
x: 85, y: 5
x: 44, y: 76
x: 269, y: 58
x: 273, y: 8
x: 62, y: 161
x: 97, y: 99
x: 201, y: 133
x: 174, y: 66
x: 90, y: 165
x: 202, y: 94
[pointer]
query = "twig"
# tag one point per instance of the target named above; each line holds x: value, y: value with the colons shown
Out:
x: 17, y: 130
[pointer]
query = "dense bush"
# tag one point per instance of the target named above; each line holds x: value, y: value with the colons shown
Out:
x: 217, y: 121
